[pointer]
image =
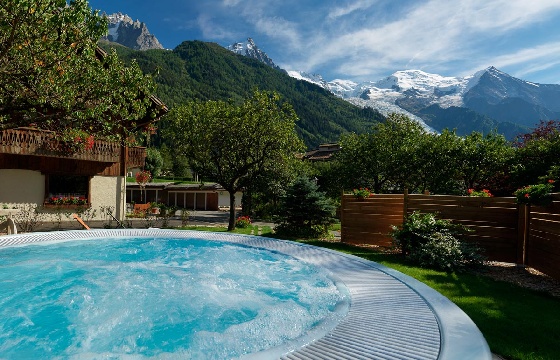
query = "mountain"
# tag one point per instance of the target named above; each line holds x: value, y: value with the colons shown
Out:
x: 133, y: 34
x: 251, y: 50
x: 197, y: 70
x: 485, y: 101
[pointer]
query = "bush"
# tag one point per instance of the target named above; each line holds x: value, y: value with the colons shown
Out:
x: 435, y: 243
x: 243, y: 222
x: 535, y: 194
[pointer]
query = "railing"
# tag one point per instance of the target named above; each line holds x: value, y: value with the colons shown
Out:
x: 136, y: 157
x: 26, y: 141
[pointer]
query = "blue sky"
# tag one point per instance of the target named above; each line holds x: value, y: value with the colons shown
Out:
x: 369, y: 39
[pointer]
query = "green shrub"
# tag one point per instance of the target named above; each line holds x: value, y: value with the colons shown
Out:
x: 435, y: 243
x: 243, y: 222
x: 535, y: 194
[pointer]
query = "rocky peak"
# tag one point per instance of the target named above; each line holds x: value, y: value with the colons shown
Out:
x: 250, y: 49
x: 130, y: 33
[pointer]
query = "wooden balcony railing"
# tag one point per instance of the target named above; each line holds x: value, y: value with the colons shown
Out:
x: 27, y: 141
x: 136, y: 157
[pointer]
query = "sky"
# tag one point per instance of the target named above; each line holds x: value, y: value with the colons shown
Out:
x: 367, y: 40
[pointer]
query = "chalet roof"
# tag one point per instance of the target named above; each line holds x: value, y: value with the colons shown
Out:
x: 323, y: 153
x: 178, y: 187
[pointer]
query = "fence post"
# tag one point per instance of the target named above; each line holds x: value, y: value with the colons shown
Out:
x: 405, y: 204
x: 523, y: 233
x: 342, y: 216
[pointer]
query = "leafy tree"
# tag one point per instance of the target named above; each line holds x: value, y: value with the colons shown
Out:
x: 233, y: 144
x: 537, y: 155
x: 438, y: 155
x: 53, y: 75
x: 305, y: 211
x: 386, y: 158
x: 154, y: 161
x: 483, y: 160
x: 263, y: 194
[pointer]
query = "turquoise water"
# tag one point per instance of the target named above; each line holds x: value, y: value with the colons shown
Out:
x: 156, y: 298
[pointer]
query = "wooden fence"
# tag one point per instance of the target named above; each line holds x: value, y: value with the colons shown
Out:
x: 506, y: 231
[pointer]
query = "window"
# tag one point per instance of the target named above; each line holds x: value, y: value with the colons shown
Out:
x: 67, y: 187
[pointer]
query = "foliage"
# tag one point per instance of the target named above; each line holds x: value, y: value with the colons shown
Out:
x: 305, y: 211
x: 53, y: 77
x: 362, y: 193
x: 243, y: 222
x: 400, y: 153
x: 482, y: 193
x: 232, y: 144
x: 154, y: 161
x: 538, y: 194
x: 434, y: 243
x: 201, y: 71
x: 28, y: 217
x: 536, y: 156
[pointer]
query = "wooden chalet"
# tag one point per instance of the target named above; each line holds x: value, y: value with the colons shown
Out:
x: 37, y: 168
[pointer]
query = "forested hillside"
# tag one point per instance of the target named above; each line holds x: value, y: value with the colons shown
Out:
x: 207, y: 71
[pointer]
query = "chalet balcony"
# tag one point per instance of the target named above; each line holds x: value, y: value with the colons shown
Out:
x: 34, y: 142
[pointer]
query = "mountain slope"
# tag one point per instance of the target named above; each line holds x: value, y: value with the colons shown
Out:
x: 207, y: 71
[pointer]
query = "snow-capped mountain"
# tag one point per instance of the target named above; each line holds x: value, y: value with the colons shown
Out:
x: 250, y: 49
x: 485, y: 101
x: 490, y: 98
x: 132, y: 34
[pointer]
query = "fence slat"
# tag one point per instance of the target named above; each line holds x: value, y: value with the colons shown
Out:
x: 506, y: 231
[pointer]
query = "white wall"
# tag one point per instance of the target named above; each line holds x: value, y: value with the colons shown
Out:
x: 108, y: 191
x: 223, y: 199
x: 21, y: 187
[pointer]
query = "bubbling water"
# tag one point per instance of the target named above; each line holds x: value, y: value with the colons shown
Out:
x: 157, y: 298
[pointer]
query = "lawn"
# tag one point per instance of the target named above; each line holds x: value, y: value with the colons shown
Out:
x: 517, y: 323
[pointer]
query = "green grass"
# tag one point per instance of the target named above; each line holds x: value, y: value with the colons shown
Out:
x: 517, y: 323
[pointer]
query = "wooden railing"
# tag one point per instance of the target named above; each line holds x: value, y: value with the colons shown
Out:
x: 136, y: 157
x: 28, y: 141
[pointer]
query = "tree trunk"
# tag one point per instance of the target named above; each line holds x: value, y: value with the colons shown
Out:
x: 231, y: 225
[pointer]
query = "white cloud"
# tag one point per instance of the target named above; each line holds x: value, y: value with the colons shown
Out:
x: 350, y: 8
x: 433, y: 32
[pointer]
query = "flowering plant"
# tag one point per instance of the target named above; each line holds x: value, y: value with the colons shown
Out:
x: 362, y: 193
x: 67, y: 200
x: 483, y: 193
x: 77, y: 140
x: 243, y: 222
x: 142, y: 177
x: 535, y: 194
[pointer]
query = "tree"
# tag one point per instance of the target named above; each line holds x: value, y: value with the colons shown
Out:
x: 53, y: 75
x: 537, y: 155
x: 438, y: 157
x: 483, y: 159
x: 305, y: 211
x: 154, y: 161
x: 386, y: 158
x: 232, y: 144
